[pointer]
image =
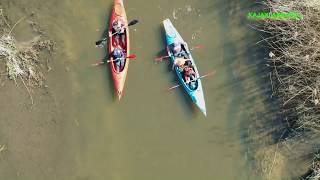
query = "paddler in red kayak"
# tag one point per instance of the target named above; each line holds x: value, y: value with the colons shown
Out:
x: 118, y: 29
x: 118, y: 55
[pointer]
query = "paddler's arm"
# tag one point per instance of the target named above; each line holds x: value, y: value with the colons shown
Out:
x: 168, y: 51
x: 170, y: 54
x: 173, y: 65
x: 123, y: 28
x: 186, y: 47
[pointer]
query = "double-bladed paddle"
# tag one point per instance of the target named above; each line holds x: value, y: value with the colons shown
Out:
x: 133, y: 22
x: 209, y: 74
x: 131, y: 56
x: 159, y: 59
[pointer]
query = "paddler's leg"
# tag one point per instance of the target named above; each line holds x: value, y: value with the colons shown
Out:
x: 190, y: 78
x: 122, y: 40
x: 185, y: 77
x: 186, y: 56
x: 118, y: 63
x: 116, y: 39
x: 122, y: 62
x: 193, y: 82
x: 187, y: 80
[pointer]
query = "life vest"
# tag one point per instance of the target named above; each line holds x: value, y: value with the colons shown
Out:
x: 188, y: 71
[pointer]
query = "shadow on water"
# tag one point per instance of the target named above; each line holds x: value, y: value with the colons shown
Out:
x: 106, y: 53
x: 110, y: 83
x: 189, y: 108
x: 106, y: 20
x: 263, y: 124
x: 248, y: 78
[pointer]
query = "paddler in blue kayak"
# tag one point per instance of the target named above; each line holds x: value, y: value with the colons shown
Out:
x: 182, y: 61
x: 189, y: 74
x: 118, y: 29
x: 119, y: 56
x: 179, y: 62
x: 180, y: 50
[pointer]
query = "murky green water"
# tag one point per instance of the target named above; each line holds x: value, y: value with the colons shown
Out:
x: 150, y: 133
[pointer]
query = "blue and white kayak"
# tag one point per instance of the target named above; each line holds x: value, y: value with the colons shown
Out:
x: 195, y: 91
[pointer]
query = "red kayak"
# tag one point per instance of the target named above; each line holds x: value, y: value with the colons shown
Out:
x: 119, y: 77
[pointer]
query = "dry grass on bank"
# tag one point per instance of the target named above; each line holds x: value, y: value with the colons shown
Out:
x: 22, y: 59
x: 295, y: 59
x: 315, y: 169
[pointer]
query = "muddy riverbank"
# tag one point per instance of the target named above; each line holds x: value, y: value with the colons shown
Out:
x: 33, y: 131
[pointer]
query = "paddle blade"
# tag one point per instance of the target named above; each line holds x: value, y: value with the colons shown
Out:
x: 132, y: 56
x: 98, y: 63
x: 159, y: 59
x: 173, y: 87
x: 101, y: 43
x: 133, y: 22
x: 98, y: 43
x: 199, y: 46
x: 208, y: 74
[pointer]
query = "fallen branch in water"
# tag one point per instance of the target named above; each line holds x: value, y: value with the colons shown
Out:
x: 22, y: 59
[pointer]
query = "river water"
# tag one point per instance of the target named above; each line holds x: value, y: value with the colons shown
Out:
x: 151, y: 133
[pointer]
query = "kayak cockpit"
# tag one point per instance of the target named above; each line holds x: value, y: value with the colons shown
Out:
x: 119, y: 41
x: 193, y: 83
